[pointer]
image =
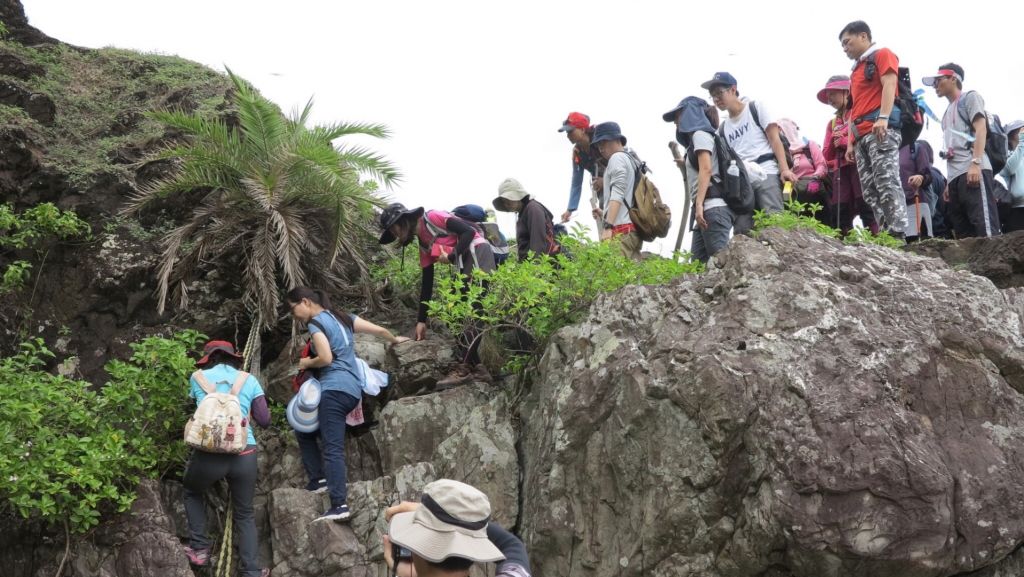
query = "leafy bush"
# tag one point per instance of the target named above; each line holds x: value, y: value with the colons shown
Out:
x: 30, y: 229
x: 533, y: 299
x: 69, y: 452
x: 401, y: 271
x: 798, y: 215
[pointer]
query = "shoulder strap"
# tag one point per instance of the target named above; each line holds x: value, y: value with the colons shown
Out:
x: 753, y: 113
x: 435, y: 230
x: 204, y: 383
x: 961, y: 109
x: 239, y: 382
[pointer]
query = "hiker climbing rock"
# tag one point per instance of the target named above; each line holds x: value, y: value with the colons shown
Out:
x: 535, y: 227
x: 448, y: 532
x: 446, y: 238
x: 323, y: 448
x: 219, y: 374
x: 619, y: 184
x: 577, y: 129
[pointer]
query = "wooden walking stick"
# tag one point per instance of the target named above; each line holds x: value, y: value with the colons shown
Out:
x: 674, y: 147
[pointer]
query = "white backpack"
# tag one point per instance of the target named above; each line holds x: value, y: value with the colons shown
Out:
x: 218, y: 425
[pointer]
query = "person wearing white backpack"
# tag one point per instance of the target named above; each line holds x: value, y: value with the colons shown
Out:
x: 219, y: 377
x: 335, y: 366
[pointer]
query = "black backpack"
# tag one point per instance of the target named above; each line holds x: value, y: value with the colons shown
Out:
x: 768, y: 155
x: 909, y: 116
x: 996, y: 143
x: 740, y: 198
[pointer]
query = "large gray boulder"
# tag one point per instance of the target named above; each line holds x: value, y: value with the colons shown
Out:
x: 803, y: 409
x: 305, y: 547
x: 465, y: 432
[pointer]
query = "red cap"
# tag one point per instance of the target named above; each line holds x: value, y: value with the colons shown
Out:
x: 217, y: 346
x: 575, y: 120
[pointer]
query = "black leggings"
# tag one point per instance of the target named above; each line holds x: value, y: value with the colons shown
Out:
x: 204, y: 469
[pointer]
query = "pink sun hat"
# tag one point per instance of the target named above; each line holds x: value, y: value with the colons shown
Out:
x: 837, y: 82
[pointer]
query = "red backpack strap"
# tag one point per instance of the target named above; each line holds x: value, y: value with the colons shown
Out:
x: 239, y: 382
x: 203, y: 382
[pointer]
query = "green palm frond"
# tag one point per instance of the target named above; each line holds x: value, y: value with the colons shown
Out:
x: 278, y: 194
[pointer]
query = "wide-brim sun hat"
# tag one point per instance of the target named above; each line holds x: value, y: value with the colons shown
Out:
x: 838, y: 82
x: 509, y: 191
x: 450, y: 522
x: 393, y: 213
x: 212, y: 346
x: 301, y: 420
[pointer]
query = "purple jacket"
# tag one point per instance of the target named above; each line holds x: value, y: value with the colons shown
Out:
x: 915, y: 159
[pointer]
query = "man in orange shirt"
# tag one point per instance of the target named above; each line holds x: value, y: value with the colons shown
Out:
x: 874, y: 129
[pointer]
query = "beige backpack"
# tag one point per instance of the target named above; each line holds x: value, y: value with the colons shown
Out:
x: 218, y: 425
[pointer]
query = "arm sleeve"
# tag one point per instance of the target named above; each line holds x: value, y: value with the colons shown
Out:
x: 577, y: 185
x: 509, y: 545
x: 829, y: 151
x: 426, y: 292
x: 974, y: 104
x: 616, y: 178
x: 465, y: 232
x: 536, y: 223
x: 259, y: 411
x: 1015, y: 162
x: 887, y: 62
x: 922, y: 167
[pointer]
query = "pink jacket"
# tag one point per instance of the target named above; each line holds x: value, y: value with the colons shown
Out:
x: 808, y: 161
x: 836, y: 142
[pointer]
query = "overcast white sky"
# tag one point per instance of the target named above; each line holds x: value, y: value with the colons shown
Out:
x: 475, y: 91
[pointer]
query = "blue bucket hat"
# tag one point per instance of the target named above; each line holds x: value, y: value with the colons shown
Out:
x: 607, y: 131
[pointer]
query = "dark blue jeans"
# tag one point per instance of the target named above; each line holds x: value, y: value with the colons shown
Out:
x: 323, y: 452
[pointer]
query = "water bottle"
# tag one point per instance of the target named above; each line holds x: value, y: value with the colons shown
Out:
x: 732, y: 177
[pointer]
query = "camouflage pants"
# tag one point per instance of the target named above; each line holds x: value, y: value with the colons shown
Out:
x: 878, y: 165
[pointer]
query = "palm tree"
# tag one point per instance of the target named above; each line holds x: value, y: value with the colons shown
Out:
x: 276, y: 193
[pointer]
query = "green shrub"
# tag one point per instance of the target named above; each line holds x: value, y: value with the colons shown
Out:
x: 533, y: 299
x: 799, y: 215
x: 70, y: 452
x: 31, y: 229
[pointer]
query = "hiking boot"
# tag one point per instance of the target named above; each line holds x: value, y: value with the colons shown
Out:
x: 317, y: 486
x: 460, y: 374
x: 481, y: 374
x: 198, y: 557
x: 336, y: 513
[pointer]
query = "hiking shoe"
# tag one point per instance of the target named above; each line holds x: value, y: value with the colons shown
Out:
x: 460, y: 374
x: 481, y: 374
x: 336, y: 513
x: 318, y: 486
x: 198, y: 557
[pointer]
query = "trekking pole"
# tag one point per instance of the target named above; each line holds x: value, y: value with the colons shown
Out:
x: 674, y: 147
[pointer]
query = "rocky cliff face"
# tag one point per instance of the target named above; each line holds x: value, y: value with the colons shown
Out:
x: 804, y: 408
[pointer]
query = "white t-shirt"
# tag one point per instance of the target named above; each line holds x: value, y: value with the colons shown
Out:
x: 747, y: 138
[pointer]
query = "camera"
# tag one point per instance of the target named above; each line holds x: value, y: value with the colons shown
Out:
x: 399, y: 554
